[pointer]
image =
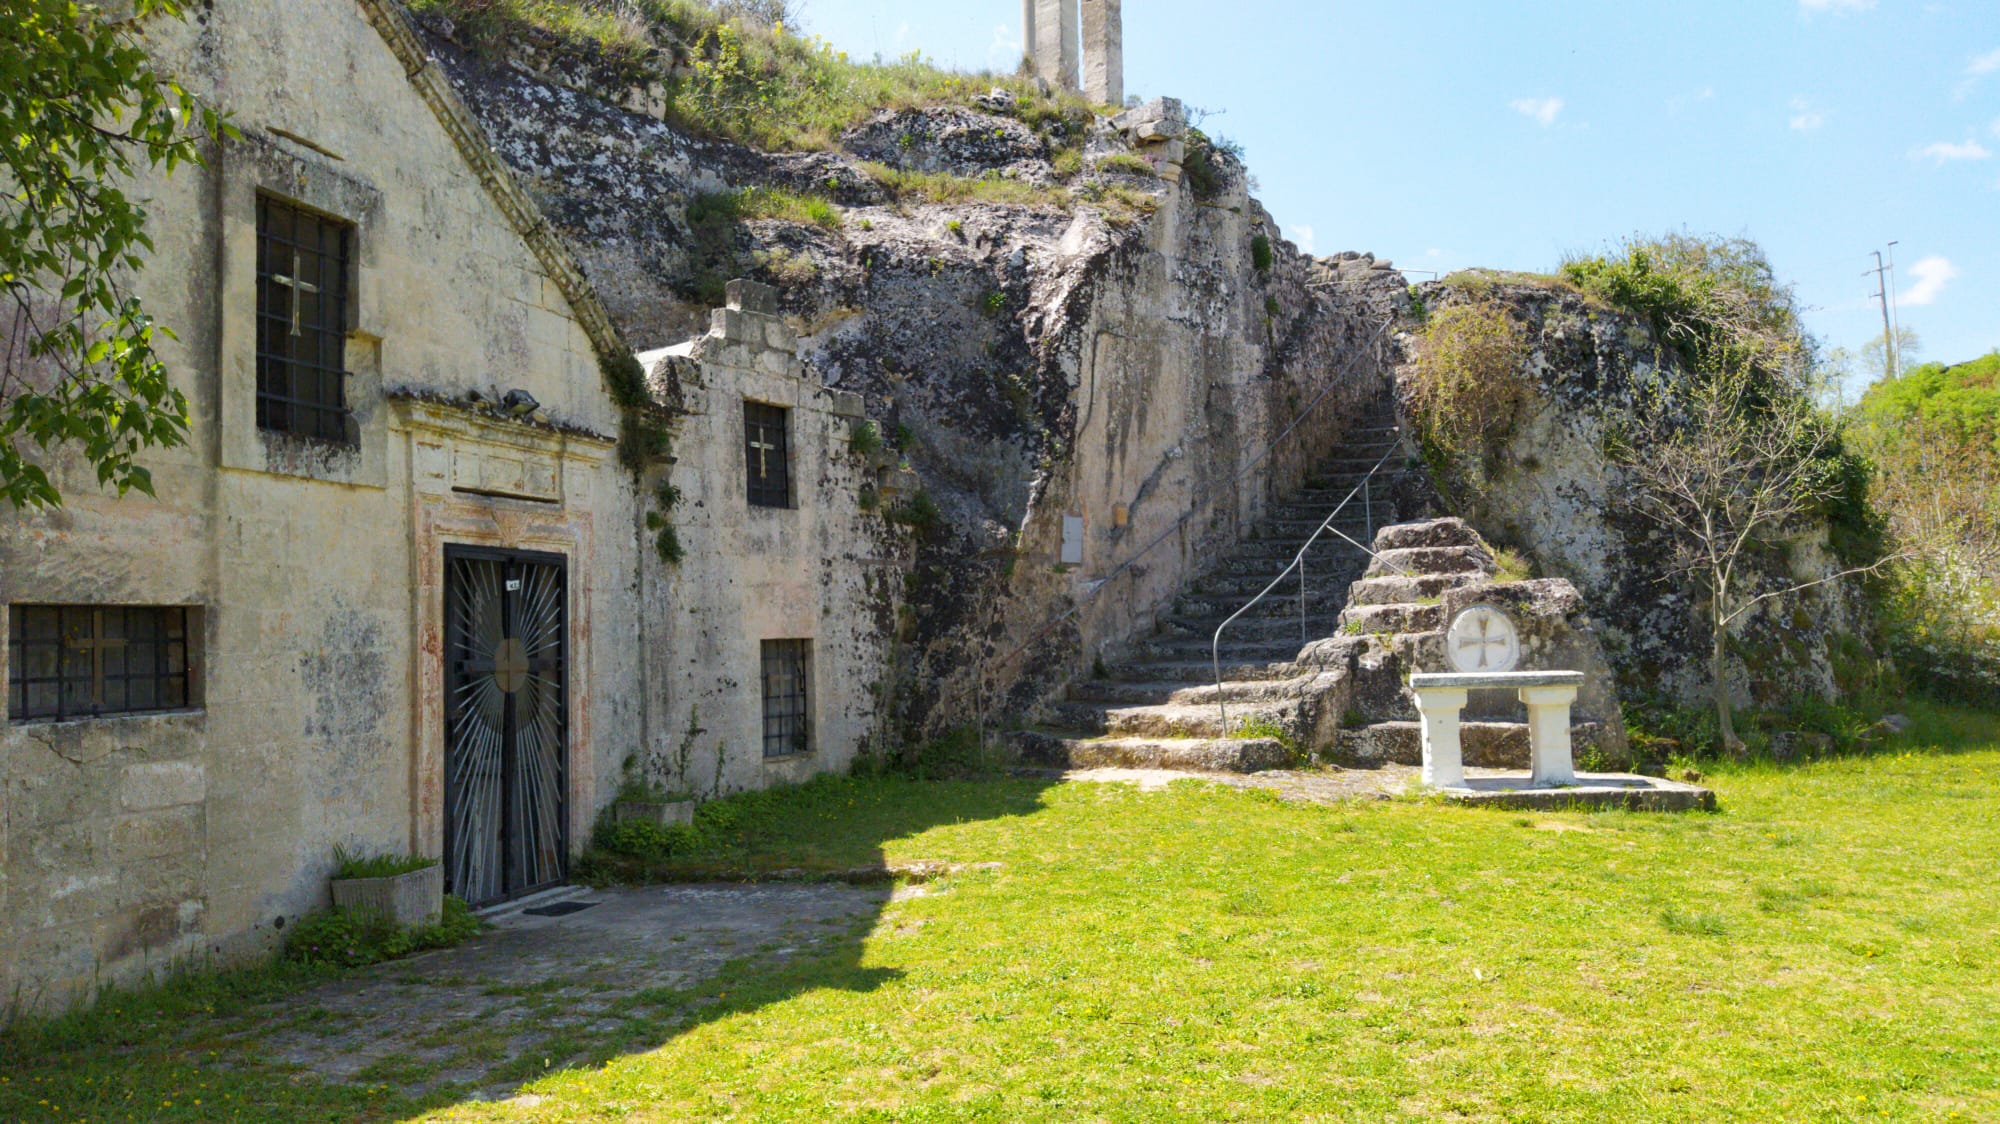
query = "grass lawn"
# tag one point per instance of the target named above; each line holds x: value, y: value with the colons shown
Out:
x: 1825, y: 948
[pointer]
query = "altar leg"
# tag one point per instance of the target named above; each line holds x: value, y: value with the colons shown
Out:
x: 1548, y: 734
x: 1444, y: 763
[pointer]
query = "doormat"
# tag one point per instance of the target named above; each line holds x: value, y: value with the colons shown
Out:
x: 558, y: 909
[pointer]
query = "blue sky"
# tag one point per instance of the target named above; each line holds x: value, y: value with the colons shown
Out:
x: 1504, y: 133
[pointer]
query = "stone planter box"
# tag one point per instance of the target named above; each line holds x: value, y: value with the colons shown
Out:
x: 411, y: 900
x: 666, y: 813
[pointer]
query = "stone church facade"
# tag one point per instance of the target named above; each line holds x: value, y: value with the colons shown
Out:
x: 398, y: 593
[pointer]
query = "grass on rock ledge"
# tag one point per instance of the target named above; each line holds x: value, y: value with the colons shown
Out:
x: 1825, y: 948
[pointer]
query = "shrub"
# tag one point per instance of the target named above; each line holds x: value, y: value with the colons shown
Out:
x: 1715, y: 301
x: 343, y: 938
x: 864, y: 439
x: 1467, y: 382
x: 1260, y: 253
x: 1126, y: 164
x: 919, y: 513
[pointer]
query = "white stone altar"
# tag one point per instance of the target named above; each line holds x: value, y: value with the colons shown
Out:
x: 1483, y: 645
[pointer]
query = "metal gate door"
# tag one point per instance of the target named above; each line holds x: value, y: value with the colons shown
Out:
x: 506, y: 759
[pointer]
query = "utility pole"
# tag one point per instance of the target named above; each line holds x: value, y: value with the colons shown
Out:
x: 1881, y: 272
x: 1895, y: 310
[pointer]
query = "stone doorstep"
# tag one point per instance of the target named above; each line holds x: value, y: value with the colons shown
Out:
x: 1592, y: 790
x: 508, y: 914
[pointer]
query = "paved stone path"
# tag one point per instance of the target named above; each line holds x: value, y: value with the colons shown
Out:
x: 533, y: 992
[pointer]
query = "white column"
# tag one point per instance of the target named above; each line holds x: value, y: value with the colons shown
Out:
x: 1444, y: 761
x: 1103, y: 52
x: 1548, y: 734
x: 1056, y: 42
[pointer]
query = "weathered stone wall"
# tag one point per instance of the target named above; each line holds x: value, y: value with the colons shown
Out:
x: 128, y: 842
x: 1553, y: 492
x: 823, y: 569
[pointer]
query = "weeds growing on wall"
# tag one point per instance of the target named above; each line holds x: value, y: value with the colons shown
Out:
x: 1466, y: 385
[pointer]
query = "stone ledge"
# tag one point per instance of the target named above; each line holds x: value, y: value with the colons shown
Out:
x: 1592, y: 790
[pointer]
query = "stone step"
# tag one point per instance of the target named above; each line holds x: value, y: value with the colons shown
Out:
x: 1485, y: 745
x: 1188, y: 669
x: 1235, y: 589
x: 1272, y: 560
x: 1392, y: 619
x: 1434, y: 533
x: 1196, y: 755
x: 1191, y: 649
x: 1413, y: 561
x: 1250, y: 626
x: 1181, y: 692
x: 1351, y: 522
x: 1330, y: 551
x: 1398, y: 590
x: 1324, y: 600
x: 1165, y: 720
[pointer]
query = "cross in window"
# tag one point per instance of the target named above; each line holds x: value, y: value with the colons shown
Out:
x: 297, y: 286
x: 764, y: 450
x: 1484, y: 640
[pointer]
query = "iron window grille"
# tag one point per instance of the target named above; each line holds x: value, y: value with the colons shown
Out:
x: 87, y: 661
x: 302, y: 261
x: 787, y: 697
x: 767, y: 454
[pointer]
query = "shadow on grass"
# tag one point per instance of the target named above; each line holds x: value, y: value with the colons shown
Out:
x: 808, y: 876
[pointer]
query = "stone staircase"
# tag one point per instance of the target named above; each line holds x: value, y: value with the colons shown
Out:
x: 1156, y: 708
x: 1394, y: 624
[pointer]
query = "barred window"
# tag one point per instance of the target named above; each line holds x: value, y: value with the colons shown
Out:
x: 768, y: 454
x: 81, y: 661
x: 787, y: 697
x: 302, y: 322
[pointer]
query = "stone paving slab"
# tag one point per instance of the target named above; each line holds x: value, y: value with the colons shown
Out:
x: 1591, y: 790
x: 1489, y: 787
x: 534, y: 991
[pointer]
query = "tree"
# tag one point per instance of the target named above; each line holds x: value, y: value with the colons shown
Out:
x: 81, y: 108
x: 1727, y: 462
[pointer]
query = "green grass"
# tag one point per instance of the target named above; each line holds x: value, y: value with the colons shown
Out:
x: 1825, y: 948
x: 377, y: 866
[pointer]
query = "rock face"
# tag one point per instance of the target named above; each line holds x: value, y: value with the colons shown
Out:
x: 1552, y: 492
x: 1079, y: 388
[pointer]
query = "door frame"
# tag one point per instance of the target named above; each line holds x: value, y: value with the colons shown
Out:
x: 566, y: 766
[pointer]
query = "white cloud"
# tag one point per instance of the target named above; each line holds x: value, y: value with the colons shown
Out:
x: 1944, y: 152
x: 1543, y: 110
x: 1804, y: 117
x: 1985, y: 64
x: 1932, y: 274
x: 1836, y: 5
x: 1303, y: 235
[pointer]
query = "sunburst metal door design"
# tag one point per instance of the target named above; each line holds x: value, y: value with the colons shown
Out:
x: 506, y: 739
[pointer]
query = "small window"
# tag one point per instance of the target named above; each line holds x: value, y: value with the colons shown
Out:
x: 787, y: 697
x: 767, y: 452
x: 83, y: 661
x: 302, y: 262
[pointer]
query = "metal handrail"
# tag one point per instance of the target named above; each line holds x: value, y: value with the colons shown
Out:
x: 1105, y: 582
x: 1299, y: 563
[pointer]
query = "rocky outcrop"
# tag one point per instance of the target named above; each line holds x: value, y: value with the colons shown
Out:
x: 1093, y: 369
x: 1552, y: 491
